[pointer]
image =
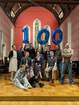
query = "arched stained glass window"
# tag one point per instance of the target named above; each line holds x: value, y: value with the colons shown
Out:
x: 36, y: 29
x: 49, y: 29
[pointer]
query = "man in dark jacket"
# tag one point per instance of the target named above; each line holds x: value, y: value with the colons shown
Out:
x: 58, y: 55
x: 31, y: 51
x: 20, y: 55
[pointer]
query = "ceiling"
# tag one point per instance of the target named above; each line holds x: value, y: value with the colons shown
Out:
x: 60, y: 8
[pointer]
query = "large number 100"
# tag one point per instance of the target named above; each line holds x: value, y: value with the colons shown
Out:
x: 41, y: 41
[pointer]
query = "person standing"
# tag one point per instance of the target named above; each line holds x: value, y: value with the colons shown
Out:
x: 58, y: 55
x: 67, y: 65
x: 20, y: 55
x: 32, y: 51
x: 13, y: 62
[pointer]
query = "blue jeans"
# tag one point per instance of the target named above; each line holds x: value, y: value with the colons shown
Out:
x: 66, y: 66
x: 59, y: 67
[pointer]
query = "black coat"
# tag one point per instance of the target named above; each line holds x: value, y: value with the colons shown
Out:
x: 10, y: 54
x: 32, y: 53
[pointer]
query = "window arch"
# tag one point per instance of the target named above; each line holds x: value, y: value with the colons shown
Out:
x: 49, y: 29
x: 36, y: 29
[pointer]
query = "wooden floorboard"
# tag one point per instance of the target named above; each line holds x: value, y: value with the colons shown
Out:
x: 52, y: 92
x: 8, y: 89
x: 39, y: 103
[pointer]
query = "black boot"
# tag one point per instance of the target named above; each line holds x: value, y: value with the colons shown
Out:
x: 41, y: 84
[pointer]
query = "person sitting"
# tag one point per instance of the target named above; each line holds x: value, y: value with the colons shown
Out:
x: 27, y: 61
x: 20, y: 80
x: 51, y: 59
x: 39, y: 60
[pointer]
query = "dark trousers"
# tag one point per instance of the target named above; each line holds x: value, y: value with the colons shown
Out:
x: 33, y: 81
x: 59, y: 67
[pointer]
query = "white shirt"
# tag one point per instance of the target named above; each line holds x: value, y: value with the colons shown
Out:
x: 14, y: 54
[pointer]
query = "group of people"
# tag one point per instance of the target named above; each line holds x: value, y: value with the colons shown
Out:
x: 29, y: 66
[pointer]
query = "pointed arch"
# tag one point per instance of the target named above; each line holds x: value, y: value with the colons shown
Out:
x: 49, y: 29
x: 36, y: 29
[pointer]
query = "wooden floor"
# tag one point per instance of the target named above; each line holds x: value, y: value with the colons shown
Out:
x: 39, y: 103
x: 8, y: 89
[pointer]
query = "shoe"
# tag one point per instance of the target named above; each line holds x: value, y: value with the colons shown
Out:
x: 52, y: 81
x: 62, y: 83
x: 41, y: 84
x: 47, y: 79
x: 29, y: 87
x: 71, y: 82
x: 34, y: 85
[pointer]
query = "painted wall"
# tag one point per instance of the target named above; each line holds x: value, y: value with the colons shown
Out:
x: 27, y: 17
x: 70, y: 29
x: 5, y: 29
